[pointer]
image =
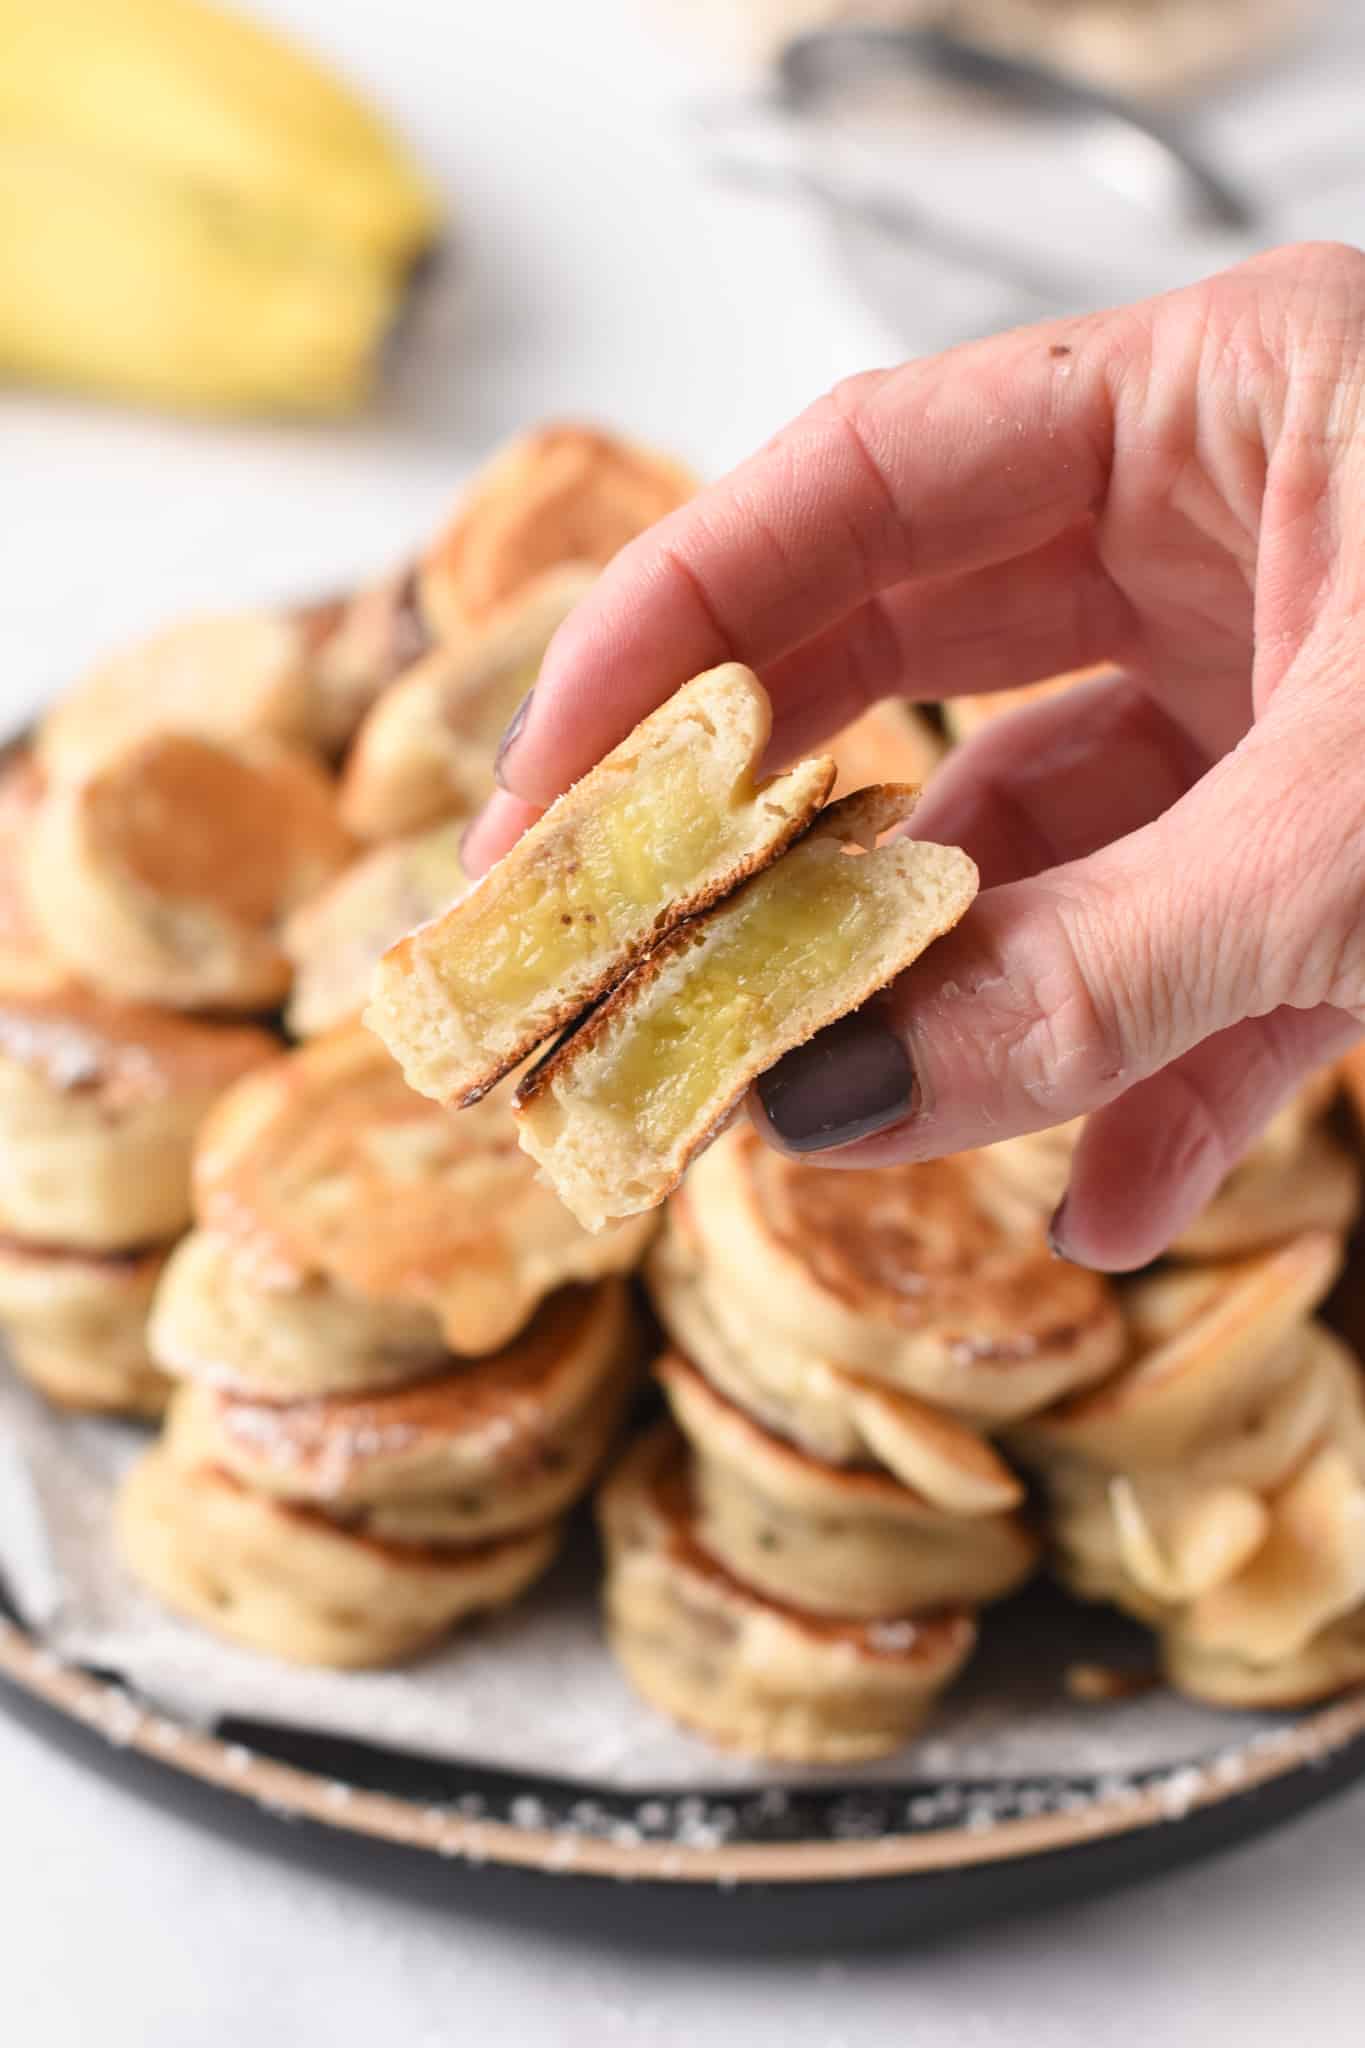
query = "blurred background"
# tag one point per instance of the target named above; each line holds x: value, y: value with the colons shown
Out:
x: 274, y: 278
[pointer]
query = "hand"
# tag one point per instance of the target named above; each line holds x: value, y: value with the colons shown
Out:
x: 1171, y: 930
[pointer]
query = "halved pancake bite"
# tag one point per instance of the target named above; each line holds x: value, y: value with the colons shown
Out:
x: 667, y: 824
x: 617, y: 1110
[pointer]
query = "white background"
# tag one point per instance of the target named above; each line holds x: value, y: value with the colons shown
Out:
x: 599, y: 274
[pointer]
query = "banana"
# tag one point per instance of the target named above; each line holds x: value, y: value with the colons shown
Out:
x: 131, y: 286
x: 197, y: 92
x: 192, y: 213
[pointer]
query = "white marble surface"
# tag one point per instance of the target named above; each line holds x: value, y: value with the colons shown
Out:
x: 599, y: 274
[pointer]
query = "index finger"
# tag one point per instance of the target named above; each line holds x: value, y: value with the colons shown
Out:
x: 937, y: 468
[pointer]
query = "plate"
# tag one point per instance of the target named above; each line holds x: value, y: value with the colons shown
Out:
x: 747, y: 1867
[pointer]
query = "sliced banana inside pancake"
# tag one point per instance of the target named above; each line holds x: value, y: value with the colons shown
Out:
x: 666, y: 824
x: 617, y: 1110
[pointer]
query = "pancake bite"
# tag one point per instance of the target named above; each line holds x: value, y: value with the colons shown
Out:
x: 899, y: 1274
x: 1215, y: 1488
x: 836, y: 1540
x: 827, y: 1410
x: 100, y: 1103
x: 335, y: 940
x: 426, y: 750
x: 562, y: 494
x: 483, y: 1448
x: 352, y: 1234
x: 228, y: 677
x: 667, y: 823
x: 741, y: 1668
x: 615, y: 1113
x: 76, y: 1327
x: 290, y: 1583
x: 166, y: 875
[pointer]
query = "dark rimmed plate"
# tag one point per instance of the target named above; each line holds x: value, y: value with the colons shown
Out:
x: 746, y: 1867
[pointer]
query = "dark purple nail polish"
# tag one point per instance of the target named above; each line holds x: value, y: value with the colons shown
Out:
x: 1056, y: 1230
x: 511, y: 736
x: 851, y: 1079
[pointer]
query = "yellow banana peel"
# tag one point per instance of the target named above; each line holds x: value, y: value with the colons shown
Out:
x: 193, y: 212
x: 131, y: 286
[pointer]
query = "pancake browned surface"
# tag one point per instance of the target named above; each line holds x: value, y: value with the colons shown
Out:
x: 487, y: 1446
x: 1215, y: 1487
x: 165, y: 875
x: 226, y: 677
x: 903, y: 1275
x: 835, y: 1414
x: 333, y: 1169
x: 336, y: 938
x: 286, y: 1581
x: 100, y: 1102
x: 617, y: 1110
x: 746, y: 1671
x: 667, y: 823
x: 76, y: 1327
x: 848, y: 1541
x: 426, y: 750
x: 563, y: 493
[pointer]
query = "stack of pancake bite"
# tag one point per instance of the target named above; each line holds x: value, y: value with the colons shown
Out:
x: 1213, y: 1484
x: 398, y: 1358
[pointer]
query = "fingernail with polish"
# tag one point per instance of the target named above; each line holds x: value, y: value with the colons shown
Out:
x: 511, y: 736
x: 1056, y: 1230
x: 852, y: 1079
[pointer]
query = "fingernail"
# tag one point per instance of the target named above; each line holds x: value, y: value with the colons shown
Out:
x: 1056, y: 1231
x: 851, y: 1079
x: 511, y: 736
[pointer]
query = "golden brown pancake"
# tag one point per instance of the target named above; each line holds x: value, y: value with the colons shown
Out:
x: 76, y: 1327
x: 332, y: 1169
x: 830, y: 1539
x: 426, y: 750
x: 837, y: 1415
x: 562, y: 494
x: 223, y: 677
x: 286, y: 1581
x: 901, y: 1274
x: 741, y: 1669
x: 100, y: 1102
x: 166, y: 875
x: 335, y: 939
x: 485, y: 1447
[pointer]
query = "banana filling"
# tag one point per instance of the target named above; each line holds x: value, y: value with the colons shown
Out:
x: 633, y: 854
x: 796, y: 931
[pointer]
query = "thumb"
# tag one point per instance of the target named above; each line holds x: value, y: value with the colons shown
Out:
x: 1059, y: 993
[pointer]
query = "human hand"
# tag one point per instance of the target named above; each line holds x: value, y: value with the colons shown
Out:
x: 1171, y: 930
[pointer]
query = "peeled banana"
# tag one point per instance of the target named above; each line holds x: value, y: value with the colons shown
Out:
x: 192, y: 213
